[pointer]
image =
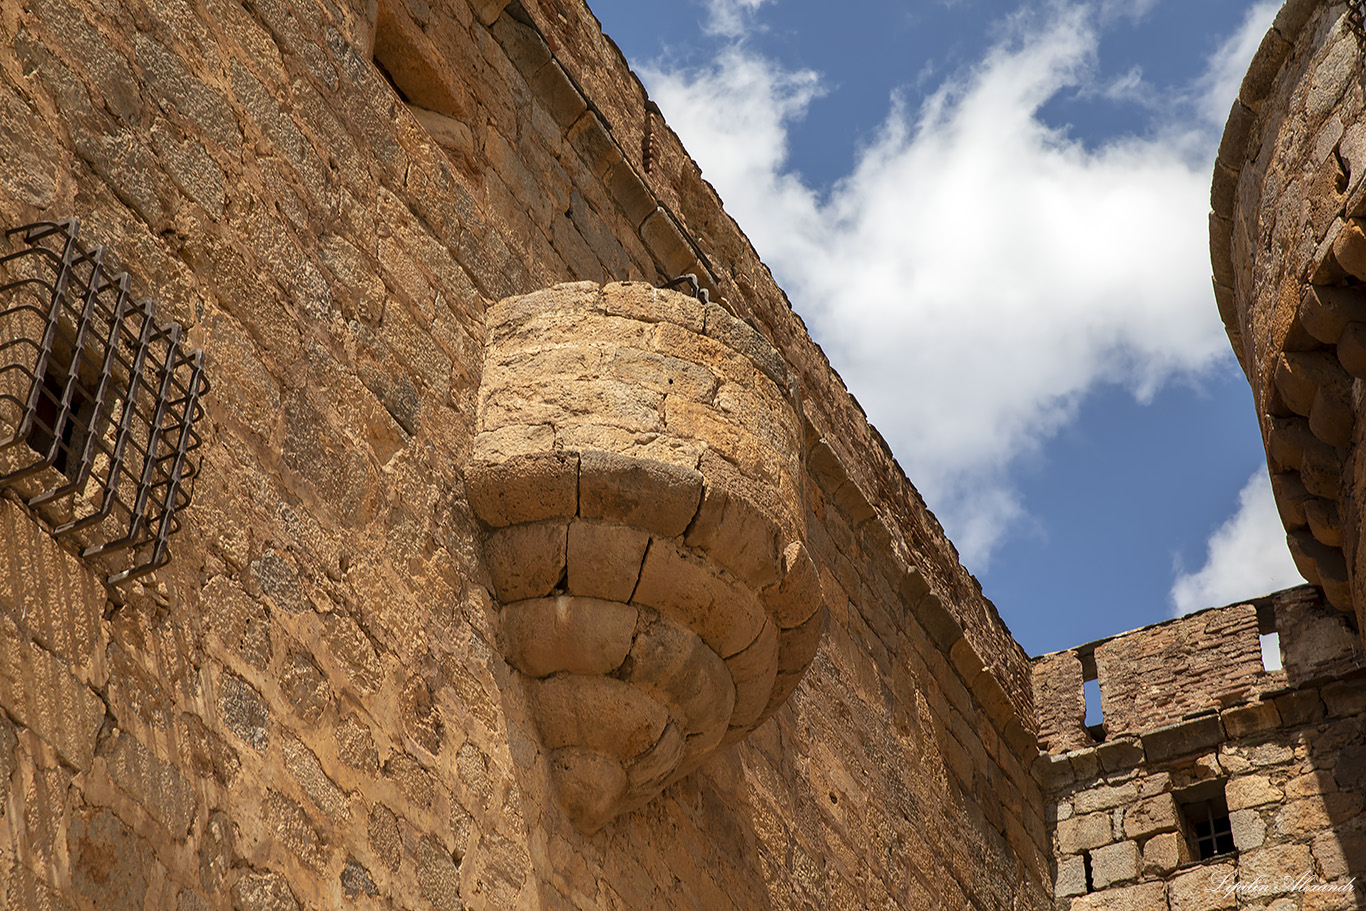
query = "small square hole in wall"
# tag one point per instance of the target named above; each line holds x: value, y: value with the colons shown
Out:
x: 1205, y: 814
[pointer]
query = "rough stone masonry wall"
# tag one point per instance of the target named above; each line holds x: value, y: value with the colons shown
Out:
x: 1285, y: 749
x: 308, y: 707
x: 1289, y: 258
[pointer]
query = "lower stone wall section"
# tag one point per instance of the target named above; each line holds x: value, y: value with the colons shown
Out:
x: 1278, y: 769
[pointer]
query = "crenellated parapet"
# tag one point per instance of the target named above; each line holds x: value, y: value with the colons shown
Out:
x: 639, y: 473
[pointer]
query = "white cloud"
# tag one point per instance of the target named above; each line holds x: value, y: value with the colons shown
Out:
x: 979, y: 271
x: 1247, y: 555
x: 729, y: 18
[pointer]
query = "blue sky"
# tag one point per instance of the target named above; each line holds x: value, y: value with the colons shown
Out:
x: 992, y: 216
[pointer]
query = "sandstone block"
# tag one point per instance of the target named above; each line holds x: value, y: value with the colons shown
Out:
x: 1299, y: 817
x: 1331, y: 415
x: 683, y: 672
x: 1183, y: 737
x: 1255, y: 718
x: 1324, y: 523
x: 601, y: 714
x: 1148, y: 817
x: 797, y: 597
x: 244, y: 711
x: 38, y: 690
x: 1081, y: 833
x: 1115, y: 863
x: 604, y: 559
x: 1248, y: 829
x: 1145, y: 897
x: 687, y: 588
x: 1352, y: 348
x: 526, y: 561
x: 1119, y: 754
x: 1326, y: 311
x: 1275, y: 863
x: 657, y: 496
x: 166, y: 794
x: 1105, y: 797
x: 58, y: 596
x: 1204, y: 889
x: 532, y: 487
x: 264, y: 892
x: 666, y: 243
x: 571, y: 296
x: 738, y: 534
x: 1339, y: 856
x: 589, y: 785
x: 1071, y: 878
x: 1250, y: 791
x: 1321, y: 470
x: 753, y: 672
x: 797, y: 646
x: 1300, y: 374
x: 664, y: 374
x: 643, y: 301
x: 567, y: 634
x: 1349, y: 249
x: 649, y: 771
x: 1164, y: 853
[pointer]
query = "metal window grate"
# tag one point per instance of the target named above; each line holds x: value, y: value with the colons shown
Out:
x: 97, y: 401
x: 1210, y: 826
x: 1356, y: 19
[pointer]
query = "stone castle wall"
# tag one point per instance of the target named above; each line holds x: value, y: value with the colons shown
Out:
x: 310, y: 706
x: 1192, y: 715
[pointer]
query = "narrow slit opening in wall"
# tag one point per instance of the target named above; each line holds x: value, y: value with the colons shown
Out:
x: 1268, y: 637
x: 1095, y: 711
x: 1086, y: 865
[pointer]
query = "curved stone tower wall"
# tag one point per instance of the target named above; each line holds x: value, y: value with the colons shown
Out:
x: 1289, y: 258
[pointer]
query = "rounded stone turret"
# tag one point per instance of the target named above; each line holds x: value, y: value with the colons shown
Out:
x: 639, y: 474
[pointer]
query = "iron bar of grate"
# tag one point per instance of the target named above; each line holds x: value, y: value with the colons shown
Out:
x: 1356, y: 19
x: 99, y: 401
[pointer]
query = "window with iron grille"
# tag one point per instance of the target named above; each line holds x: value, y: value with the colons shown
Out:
x: 98, y: 401
x: 1206, y: 817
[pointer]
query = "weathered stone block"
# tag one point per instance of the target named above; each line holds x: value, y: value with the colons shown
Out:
x: 1148, y: 817
x: 1164, y: 853
x: 754, y: 671
x: 38, y: 690
x: 1117, y: 863
x: 1255, y: 718
x: 1145, y: 897
x: 1071, y: 877
x: 1206, y: 888
x: 526, y: 561
x: 1083, y: 832
x: 604, y: 559
x: 530, y: 487
x: 641, y: 493
x: 687, y: 588
x: 1182, y: 737
x: 1250, y: 791
x: 567, y: 634
x: 738, y: 534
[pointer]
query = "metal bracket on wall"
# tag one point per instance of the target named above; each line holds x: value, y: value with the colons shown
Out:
x: 694, y: 286
x: 97, y: 401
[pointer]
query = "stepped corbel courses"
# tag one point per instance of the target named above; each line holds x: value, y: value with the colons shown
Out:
x: 1289, y: 258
